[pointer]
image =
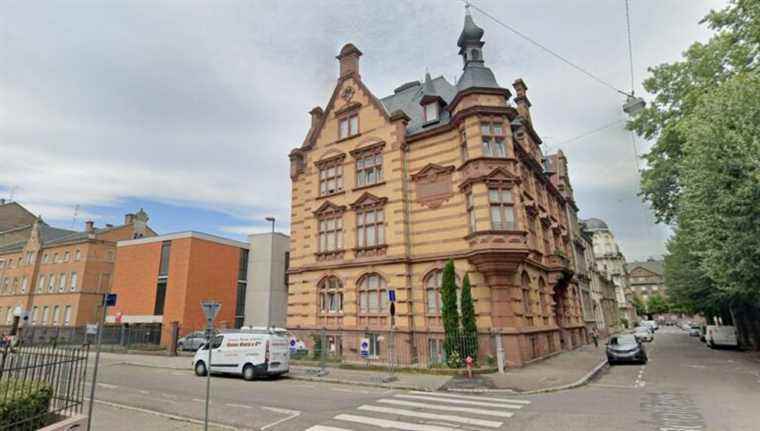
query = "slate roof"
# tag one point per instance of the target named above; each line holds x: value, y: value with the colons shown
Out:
x: 593, y: 224
x: 407, y: 99
x: 655, y: 266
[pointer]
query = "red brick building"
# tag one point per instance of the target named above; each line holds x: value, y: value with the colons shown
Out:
x: 57, y: 276
x: 163, y: 279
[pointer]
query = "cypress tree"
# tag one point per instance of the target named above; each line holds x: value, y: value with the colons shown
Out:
x: 450, y: 314
x: 469, y: 326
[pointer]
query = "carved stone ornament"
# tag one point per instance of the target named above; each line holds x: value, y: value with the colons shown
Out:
x: 433, y: 185
x: 347, y: 94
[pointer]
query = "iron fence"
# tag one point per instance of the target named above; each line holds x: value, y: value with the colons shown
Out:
x: 39, y: 384
x: 114, y: 337
x: 394, y: 349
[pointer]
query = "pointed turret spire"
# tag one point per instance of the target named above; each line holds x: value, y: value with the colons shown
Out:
x: 470, y: 44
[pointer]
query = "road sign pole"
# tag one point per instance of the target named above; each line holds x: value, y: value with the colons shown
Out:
x: 323, y: 352
x: 101, y: 321
x: 209, y: 337
x: 210, y: 309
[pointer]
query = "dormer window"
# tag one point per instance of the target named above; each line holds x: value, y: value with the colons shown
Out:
x: 348, y: 126
x: 431, y: 112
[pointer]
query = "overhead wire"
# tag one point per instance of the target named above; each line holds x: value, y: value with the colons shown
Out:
x: 546, y: 49
x: 589, y: 133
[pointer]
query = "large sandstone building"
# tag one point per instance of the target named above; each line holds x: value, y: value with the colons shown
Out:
x: 386, y: 190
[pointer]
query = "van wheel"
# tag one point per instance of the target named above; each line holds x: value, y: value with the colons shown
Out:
x: 710, y: 344
x: 200, y: 369
x: 249, y: 372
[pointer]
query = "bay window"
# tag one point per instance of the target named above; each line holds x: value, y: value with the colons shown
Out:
x: 502, y: 209
x: 493, y: 140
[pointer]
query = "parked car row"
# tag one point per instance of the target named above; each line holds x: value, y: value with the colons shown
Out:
x: 713, y: 335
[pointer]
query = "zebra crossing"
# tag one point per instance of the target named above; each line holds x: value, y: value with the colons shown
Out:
x: 427, y: 411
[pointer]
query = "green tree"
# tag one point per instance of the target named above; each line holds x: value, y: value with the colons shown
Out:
x: 679, y: 87
x: 450, y: 313
x: 657, y: 304
x: 469, y: 324
x: 639, y: 305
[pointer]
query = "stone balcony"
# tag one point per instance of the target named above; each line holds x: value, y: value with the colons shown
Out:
x: 499, y: 251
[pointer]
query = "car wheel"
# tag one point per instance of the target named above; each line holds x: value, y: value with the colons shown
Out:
x: 200, y: 369
x: 710, y: 344
x: 180, y: 347
x: 249, y: 372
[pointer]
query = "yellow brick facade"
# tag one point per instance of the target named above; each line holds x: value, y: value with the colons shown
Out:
x: 426, y: 178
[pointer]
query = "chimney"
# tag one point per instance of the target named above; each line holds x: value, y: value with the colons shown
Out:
x: 129, y: 218
x: 89, y: 226
x: 523, y: 104
x: 316, y: 116
x: 349, y: 60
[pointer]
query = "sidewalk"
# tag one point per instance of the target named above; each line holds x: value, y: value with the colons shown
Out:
x: 562, y: 371
x: 412, y: 381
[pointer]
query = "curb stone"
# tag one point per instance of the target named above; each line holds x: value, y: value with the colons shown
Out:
x: 580, y: 382
x: 361, y: 383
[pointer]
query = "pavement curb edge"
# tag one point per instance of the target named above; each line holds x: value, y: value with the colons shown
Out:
x: 580, y: 382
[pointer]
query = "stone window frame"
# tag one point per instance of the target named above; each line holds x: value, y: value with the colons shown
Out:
x: 494, y: 143
x: 323, y: 167
x: 361, y: 157
x: 330, y: 291
x: 349, y: 118
x: 365, y: 290
x: 329, y: 211
x: 464, y: 153
x: 527, y: 301
x: 497, y: 200
x: 432, y: 283
x: 472, y: 220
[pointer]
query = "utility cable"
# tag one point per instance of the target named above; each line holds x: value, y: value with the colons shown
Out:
x: 546, y: 49
x: 630, y: 46
x: 590, y: 132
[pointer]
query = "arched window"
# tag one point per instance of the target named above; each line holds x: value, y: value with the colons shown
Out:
x: 541, y: 296
x: 331, y: 295
x: 526, y: 300
x: 373, y: 294
x: 433, y: 283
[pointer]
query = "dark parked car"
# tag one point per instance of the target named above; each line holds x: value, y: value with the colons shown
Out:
x: 192, y: 341
x: 625, y: 348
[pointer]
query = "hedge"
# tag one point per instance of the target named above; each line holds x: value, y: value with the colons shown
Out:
x: 25, y: 405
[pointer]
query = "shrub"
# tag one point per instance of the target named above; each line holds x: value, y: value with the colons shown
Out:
x: 25, y: 405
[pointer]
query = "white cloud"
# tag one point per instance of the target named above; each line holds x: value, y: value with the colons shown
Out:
x: 198, y: 104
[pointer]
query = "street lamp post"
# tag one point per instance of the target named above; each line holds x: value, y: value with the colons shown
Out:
x: 271, y: 220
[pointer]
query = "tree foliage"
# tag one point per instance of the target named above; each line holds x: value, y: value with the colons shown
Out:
x: 703, y: 172
x: 469, y: 324
x: 639, y: 305
x: 679, y: 87
x: 449, y: 311
x: 657, y: 304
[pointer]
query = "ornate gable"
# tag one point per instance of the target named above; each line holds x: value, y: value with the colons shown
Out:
x: 329, y: 209
x: 498, y: 177
x: 367, y: 200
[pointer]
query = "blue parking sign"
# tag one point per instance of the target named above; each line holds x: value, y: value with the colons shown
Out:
x: 110, y: 299
x: 392, y: 295
x: 364, y: 347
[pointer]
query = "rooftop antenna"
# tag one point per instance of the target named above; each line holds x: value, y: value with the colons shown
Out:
x: 76, y: 213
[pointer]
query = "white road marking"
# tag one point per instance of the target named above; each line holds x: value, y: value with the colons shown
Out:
x: 385, y: 423
x: 291, y: 414
x: 456, y: 401
x: 349, y: 390
x: 143, y: 392
x: 239, y: 406
x: 326, y: 428
x: 166, y: 415
x: 198, y: 400
x: 107, y: 386
x: 417, y: 414
x: 170, y: 396
x: 471, y: 397
x: 447, y: 408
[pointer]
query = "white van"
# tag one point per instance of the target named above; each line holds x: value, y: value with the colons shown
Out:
x: 721, y: 336
x: 249, y: 352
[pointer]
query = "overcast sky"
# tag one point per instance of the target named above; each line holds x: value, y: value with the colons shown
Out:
x: 189, y: 108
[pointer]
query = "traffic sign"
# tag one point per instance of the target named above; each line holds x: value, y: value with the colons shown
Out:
x: 392, y: 295
x: 364, y: 347
x: 210, y: 309
x: 110, y: 299
x: 92, y: 328
x: 293, y: 345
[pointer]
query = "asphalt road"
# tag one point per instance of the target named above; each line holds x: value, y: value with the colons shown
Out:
x: 686, y: 386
